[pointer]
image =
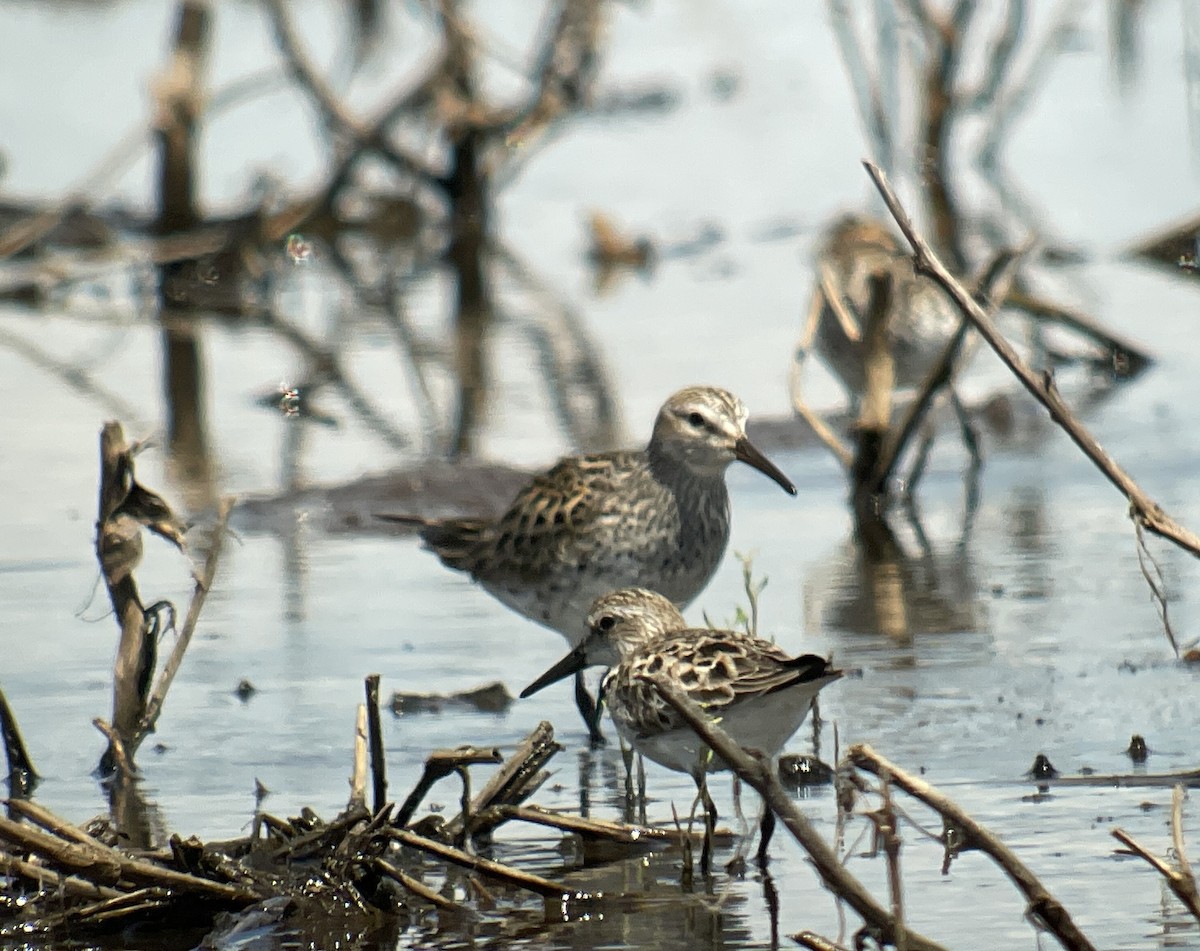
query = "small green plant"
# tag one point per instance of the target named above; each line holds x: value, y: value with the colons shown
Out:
x: 747, y: 621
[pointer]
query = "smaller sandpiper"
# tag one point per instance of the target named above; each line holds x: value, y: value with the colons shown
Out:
x: 757, y: 693
x: 658, y: 516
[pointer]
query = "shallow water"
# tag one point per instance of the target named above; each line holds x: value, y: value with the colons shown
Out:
x: 1034, y: 633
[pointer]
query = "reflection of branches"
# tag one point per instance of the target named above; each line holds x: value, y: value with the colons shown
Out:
x: 388, y: 300
x: 365, y: 136
x: 866, y: 87
x: 328, y: 366
x: 1007, y: 107
x: 74, y: 376
x: 1141, y: 507
x: 569, y: 356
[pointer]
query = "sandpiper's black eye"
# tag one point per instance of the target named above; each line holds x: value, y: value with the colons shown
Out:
x: 696, y: 419
x: 606, y: 623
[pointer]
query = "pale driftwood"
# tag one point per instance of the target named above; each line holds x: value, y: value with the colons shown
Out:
x: 816, y: 942
x: 1042, y: 904
x: 760, y: 774
x: 1144, y: 509
x: 358, y: 776
x: 1180, y: 880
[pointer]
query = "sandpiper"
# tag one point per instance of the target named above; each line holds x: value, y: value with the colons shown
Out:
x: 757, y: 693
x: 921, y: 321
x: 590, y: 524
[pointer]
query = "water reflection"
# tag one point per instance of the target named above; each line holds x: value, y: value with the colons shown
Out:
x: 897, y: 583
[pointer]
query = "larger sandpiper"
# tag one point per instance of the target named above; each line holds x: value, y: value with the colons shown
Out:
x: 658, y: 517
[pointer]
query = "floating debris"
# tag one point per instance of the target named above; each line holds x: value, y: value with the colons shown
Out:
x: 490, y: 698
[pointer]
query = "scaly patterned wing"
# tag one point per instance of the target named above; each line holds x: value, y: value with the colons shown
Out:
x: 718, y: 669
x: 550, y: 523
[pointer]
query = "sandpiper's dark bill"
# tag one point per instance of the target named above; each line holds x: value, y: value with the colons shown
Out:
x: 571, y: 664
x: 745, y: 451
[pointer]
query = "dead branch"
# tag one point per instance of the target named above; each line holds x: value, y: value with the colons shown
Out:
x: 203, y: 584
x: 1180, y: 880
x: 375, y: 735
x: 330, y: 367
x: 865, y: 86
x: 1142, y: 507
x: 420, y: 889
x: 178, y: 105
x: 358, y: 777
x: 438, y: 765
x: 1042, y: 905
x: 992, y: 286
x: 1016, y: 98
x: 815, y: 942
x: 109, y: 866
x: 513, y: 783
x: 74, y: 376
x: 22, y: 776
x: 759, y: 773
x: 71, y: 885
x: 504, y: 873
x: 124, y: 508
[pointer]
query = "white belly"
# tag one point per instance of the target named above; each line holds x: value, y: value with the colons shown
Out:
x: 764, y: 724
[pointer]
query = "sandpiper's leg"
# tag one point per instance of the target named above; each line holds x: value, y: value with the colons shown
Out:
x: 766, y: 829
x: 710, y: 824
x: 627, y: 759
x: 970, y: 436
x: 589, y: 710
x: 641, y: 788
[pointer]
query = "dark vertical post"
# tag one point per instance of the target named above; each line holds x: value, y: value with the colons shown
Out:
x: 179, y: 97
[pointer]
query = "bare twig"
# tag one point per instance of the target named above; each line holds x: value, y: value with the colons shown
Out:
x: 1043, y: 905
x: 420, y: 889
x: 1155, y: 582
x: 438, y: 765
x: 504, y: 873
x: 880, y: 375
x: 1144, y: 509
x: 1127, y: 357
x: 1180, y: 880
x: 358, y: 777
x: 514, y: 782
x: 993, y: 286
x: 21, y: 774
x: 203, y: 584
x: 759, y: 773
x: 375, y: 733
